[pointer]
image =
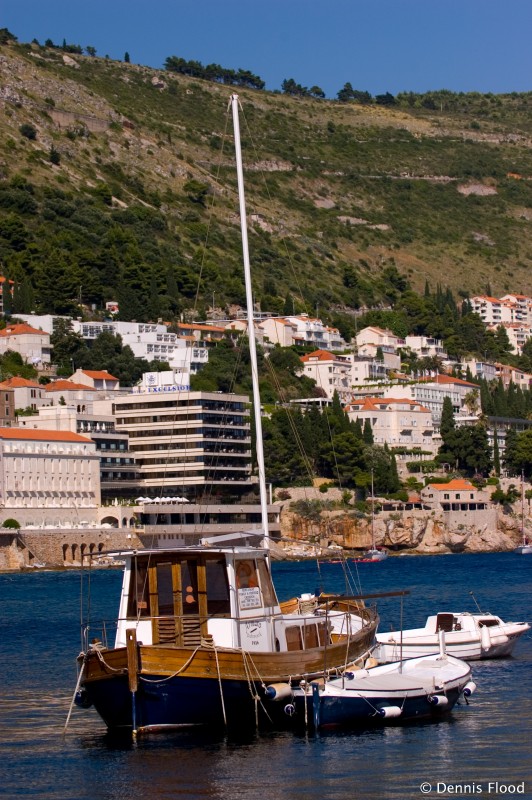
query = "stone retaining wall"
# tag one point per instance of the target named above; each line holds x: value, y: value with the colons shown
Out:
x: 62, y: 547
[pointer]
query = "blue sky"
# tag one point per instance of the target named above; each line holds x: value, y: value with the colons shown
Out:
x: 376, y: 45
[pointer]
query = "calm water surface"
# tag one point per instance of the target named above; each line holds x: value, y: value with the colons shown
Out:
x: 489, y: 740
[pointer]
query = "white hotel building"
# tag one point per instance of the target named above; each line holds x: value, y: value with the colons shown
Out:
x: 48, y: 478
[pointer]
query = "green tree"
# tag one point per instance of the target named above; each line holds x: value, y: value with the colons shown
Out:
x: 28, y: 131
x: 367, y: 433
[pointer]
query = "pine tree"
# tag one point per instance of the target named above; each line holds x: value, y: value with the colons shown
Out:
x: 496, y: 454
x: 367, y: 433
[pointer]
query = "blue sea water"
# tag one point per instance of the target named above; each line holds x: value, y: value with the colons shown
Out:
x: 486, y: 742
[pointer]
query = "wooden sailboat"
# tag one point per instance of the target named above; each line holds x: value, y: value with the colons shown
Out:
x: 201, y: 637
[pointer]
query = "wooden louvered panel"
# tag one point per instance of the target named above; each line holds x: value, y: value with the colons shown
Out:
x: 166, y: 629
x: 191, y: 631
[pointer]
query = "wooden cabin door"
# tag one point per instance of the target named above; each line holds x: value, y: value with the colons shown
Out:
x: 166, y: 616
x: 178, y: 601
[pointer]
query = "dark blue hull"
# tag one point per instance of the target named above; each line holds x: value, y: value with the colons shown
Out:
x: 359, y: 711
x: 173, y: 702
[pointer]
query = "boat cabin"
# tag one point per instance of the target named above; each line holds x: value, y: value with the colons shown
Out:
x: 190, y: 596
x: 449, y: 622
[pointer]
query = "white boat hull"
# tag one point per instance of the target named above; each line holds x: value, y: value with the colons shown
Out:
x: 472, y: 642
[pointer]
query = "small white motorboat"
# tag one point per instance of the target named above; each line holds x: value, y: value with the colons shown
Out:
x: 415, y: 689
x: 467, y: 636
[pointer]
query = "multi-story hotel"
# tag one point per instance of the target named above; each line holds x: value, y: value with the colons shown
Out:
x: 48, y: 478
x: 193, y: 457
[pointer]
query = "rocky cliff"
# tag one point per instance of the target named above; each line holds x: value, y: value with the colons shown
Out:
x: 416, y: 531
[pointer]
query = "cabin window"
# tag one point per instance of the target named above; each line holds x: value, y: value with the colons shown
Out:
x: 247, y: 584
x: 217, y: 587
x: 246, y: 574
x: 488, y: 623
x: 268, y: 592
x: 165, y: 594
x: 139, y: 599
x: 311, y: 636
x: 293, y: 637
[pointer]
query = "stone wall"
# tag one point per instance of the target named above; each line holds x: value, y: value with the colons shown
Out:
x: 61, y: 547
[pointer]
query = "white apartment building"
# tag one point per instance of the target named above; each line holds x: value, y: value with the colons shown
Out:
x: 27, y: 394
x: 331, y: 373
x: 312, y: 332
x: 278, y: 330
x: 397, y: 422
x: 518, y: 334
x: 491, y: 310
x: 518, y: 377
x: 390, y: 357
x: 99, y: 379
x: 431, y: 393
x: 43, y: 322
x: 379, y: 337
x: 366, y: 371
x: 480, y: 369
x: 523, y: 307
x: 32, y: 344
x: 48, y: 478
x: 426, y: 346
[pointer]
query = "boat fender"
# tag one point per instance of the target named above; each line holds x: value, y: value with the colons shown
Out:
x: 438, y: 700
x: 82, y: 700
x: 289, y: 709
x: 278, y: 691
x: 469, y: 688
x: 485, y: 638
x: 388, y: 712
x: 371, y: 662
x: 348, y: 676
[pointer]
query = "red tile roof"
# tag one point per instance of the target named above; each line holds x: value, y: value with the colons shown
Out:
x: 455, y: 485
x: 34, y: 434
x: 20, y: 329
x: 318, y: 355
x: 376, y: 403
x: 99, y: 374
x: 20, y: 383
x: 67, y: 386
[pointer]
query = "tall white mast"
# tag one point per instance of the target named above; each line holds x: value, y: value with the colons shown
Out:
x: 250, y: 320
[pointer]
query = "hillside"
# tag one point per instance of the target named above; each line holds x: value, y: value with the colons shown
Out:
x: 126, y: 189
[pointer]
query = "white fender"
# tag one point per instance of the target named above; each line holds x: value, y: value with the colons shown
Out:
x: 388, y: 712
x: 485, y: 639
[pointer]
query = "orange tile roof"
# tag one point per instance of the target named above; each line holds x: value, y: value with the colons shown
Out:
x: 67, y: 386
x: 198, y: 327
x: 279, y: 320
x: 455, y: 485
x: 99, y: 374
x: 375, y: 403
x: 20, y: 383
x: 448, y: 379
x: 34, y: 434
x: 20, y: 329
x: 486, y: 297
x: 321, y: 355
